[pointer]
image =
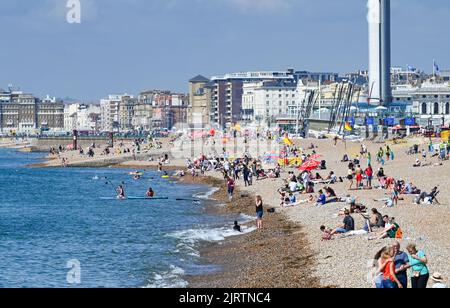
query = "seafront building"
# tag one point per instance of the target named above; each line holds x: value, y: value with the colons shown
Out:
x: 200, y: 101
x: 25, y: 114
x: 82, y: 117
x: 148, y: 111
x: 264, y: 102
x: 227, y: 92
x: 431, y: 104
x: 109, y: 110
x: 169, y: 109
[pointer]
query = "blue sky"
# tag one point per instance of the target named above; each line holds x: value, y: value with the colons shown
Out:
x: 132, y: 45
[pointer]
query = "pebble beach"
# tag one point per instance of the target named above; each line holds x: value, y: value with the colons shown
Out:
x: 291, y: 241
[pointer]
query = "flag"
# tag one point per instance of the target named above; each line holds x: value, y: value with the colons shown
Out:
x: 436, y: 67
x: 348, y: 126
x: 287, y: 140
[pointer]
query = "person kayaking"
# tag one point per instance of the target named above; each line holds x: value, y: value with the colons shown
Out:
x: 150, y: 193
x: 120, y: 192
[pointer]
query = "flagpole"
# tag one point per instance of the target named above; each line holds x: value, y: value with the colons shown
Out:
x: 434, y: 69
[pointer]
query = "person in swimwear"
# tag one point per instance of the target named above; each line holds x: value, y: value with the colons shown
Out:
x: 150, y: 193
x: 120, y: 192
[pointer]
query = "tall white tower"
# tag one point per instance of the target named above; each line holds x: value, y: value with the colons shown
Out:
x: 379, y: 51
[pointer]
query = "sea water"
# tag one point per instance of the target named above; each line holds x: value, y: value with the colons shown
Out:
x: 55, y: 231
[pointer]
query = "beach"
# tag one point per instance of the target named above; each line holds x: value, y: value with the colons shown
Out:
x: 289, y: 251
x: 347, y: 262
x: 275, y: 257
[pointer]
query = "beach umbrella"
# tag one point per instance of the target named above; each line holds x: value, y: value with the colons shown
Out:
x: 310, y: 165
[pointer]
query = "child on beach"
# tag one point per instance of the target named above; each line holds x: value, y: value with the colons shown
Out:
x: 326, y: 236
x: 322, y: 200
x: 230, y: 187
x: 259, y: 212
x: 237, y: 227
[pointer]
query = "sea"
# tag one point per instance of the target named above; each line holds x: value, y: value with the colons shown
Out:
x: 57, y: 231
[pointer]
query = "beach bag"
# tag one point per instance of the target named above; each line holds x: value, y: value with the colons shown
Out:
x: 399, y: 234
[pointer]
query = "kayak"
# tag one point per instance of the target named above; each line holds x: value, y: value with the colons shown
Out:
x: 165, y: 176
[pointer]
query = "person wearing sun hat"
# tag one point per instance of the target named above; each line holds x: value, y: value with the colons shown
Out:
x: 438, y: 281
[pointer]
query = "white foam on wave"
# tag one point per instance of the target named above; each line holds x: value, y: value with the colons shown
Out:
x: 246, y: 218
x: 207, y: 195
x: 168, y: 279
x: 193, y: 236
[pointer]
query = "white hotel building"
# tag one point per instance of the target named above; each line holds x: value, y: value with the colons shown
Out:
x: 264, y: 102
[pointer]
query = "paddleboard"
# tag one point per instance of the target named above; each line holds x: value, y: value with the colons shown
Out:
x: 147, y: 198
x: 111, y: 198
x: 134, y: 198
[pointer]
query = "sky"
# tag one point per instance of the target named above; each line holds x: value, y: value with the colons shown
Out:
x: 126, y: 46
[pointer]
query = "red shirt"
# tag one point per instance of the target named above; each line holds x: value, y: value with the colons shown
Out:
x: 231, y: 183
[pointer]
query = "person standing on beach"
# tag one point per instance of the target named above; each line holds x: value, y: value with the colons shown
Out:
x: 401, y: 261
x: 390, y: 280
x: 230, y: 185
x: 359, y: 177
x: 350, y: 174
x: 259, y: 212
x: 418, y: 263
x: 369, y: 176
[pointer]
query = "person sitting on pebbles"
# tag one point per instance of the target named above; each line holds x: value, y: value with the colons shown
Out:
x: 347, y: 226
x: 326, y: 233
x: 438, y: 281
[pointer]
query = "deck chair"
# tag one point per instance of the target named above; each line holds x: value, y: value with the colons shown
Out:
x: 433, y: 198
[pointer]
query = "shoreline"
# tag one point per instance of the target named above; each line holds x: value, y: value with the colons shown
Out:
x: 276, y: 257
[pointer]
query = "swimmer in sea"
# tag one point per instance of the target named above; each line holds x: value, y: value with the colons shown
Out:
x: 237, y: 227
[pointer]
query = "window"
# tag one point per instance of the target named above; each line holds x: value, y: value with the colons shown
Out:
x: 447, y: 108
x: 424, y: 96
x: 436, y: 108
x: 424, y: 108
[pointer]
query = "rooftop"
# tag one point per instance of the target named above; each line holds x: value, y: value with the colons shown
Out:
x: 198, y: 79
